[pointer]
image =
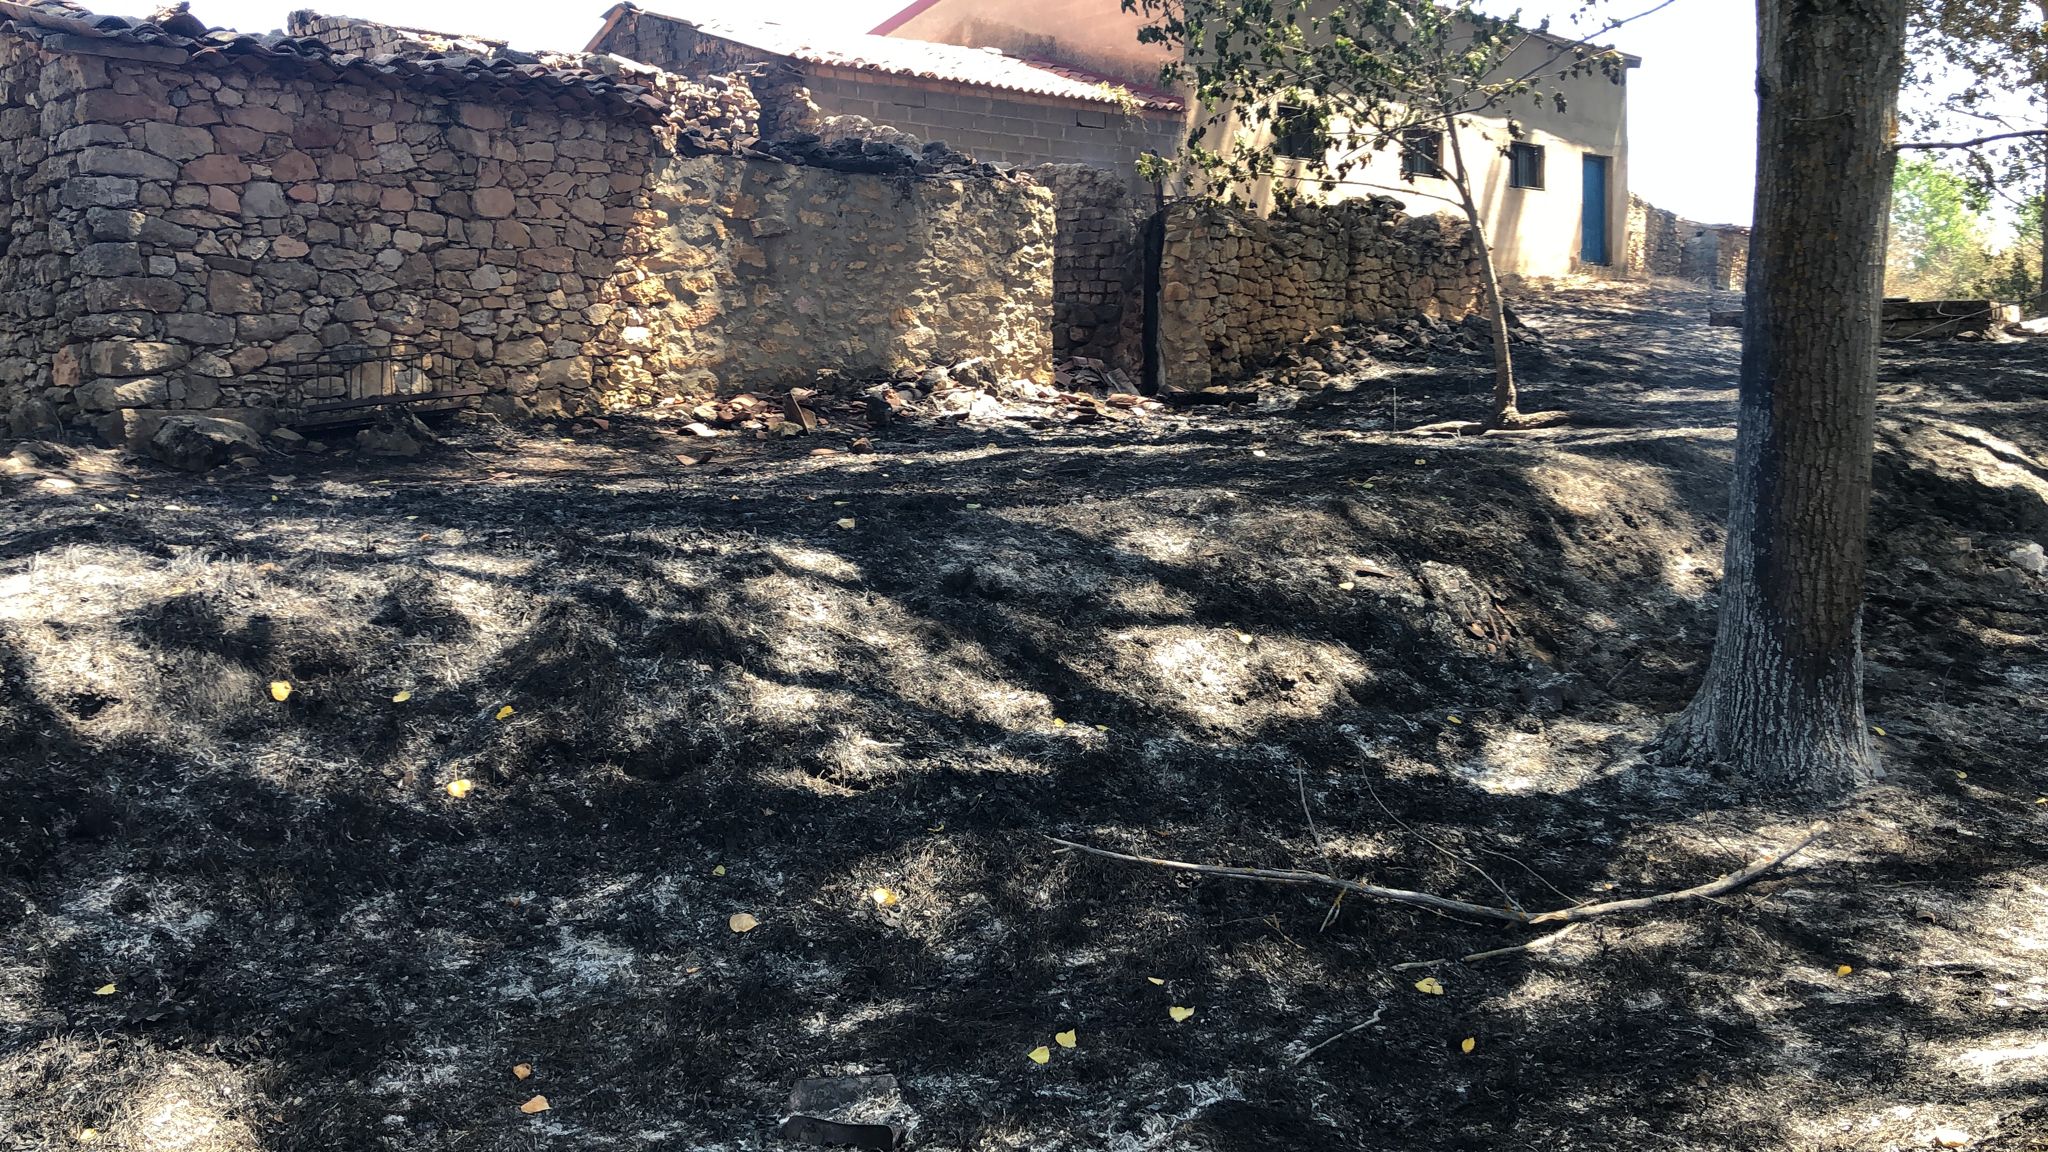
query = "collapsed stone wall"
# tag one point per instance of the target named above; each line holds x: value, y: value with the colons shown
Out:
x: 1716, y: 255
x: 1664, y: 243
x: 1237, y: 290
x: 345, y: 34
x: 185, y: 238
x: 1098, y: 271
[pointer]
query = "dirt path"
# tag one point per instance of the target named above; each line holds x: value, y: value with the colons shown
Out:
x: 1170, y: 633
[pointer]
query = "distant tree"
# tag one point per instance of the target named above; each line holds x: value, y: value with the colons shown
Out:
x: 1329, y: 85
x: 1977, y: 81
x: 1937, y: 245
x: 1782, y: 702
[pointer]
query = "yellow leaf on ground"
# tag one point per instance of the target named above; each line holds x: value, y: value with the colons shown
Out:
x: 1962, y: 775
x: 460, y: 788
x: 401, y: 696
x: 1468, y: 1044
x: 280, y: 690
x: 1429, y: 986
x: 1040, y: 1055
x: 1346, y: 586
x: 719, y: 870
x: 1843, y: 970
x: 1878, y: 729
x: 848, y: 522
x: 105, y: 990
x: 537, y: 1104
x: 522, y: 1071
x: 1067, y: 1039
x: 884, y: 898
x: 89, y: 1135
x: 742, y: 922
x: 1179, y: 1013
x: 505, y: 713
x: 1454, y: 719
x: 1155, y: 980
x: 1951, y: 1137
x: 1058, y: 723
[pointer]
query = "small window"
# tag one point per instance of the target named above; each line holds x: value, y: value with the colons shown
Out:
x: 1525, y: 165
x: 1422, y: 153
x: 1297, y: 134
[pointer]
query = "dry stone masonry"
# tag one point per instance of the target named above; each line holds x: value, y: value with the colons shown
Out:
x: 1664, y: 243
x: 202, y: 223
x: 215, y: 225
x: 1238, y: 290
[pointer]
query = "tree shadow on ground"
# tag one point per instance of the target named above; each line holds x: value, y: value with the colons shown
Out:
x: 723, y: 702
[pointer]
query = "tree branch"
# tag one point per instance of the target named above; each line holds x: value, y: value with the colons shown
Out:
x: 1444, y: 904
x: 2024, y: 133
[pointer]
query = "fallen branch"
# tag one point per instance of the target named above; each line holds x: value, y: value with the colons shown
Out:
x: 1368, y: 1022
x: 1721, y: 887
x: 1536, y: 945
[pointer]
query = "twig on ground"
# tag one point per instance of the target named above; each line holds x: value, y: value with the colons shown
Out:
x: 1301, y: 783
x: 1721, y: 887
x: 1368, y: 1022
x: 1536, y: 945
x: 1453, y: 857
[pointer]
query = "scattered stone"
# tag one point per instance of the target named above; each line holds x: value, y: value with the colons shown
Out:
x: 2029, y: 557
x: 200, y: 443
x: 388, y: 442
x: 858, y: 1111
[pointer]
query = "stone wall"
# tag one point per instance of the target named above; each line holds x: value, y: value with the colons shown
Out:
x: 1655, y: 244
x: 765, y: 275
x: 1716, y: 255
x: 30, y: 266
x: 344, y: 34
x: 180, y: 237
x: 1237, y: 290
x: 1098, y: 271
x: 1664, y: 243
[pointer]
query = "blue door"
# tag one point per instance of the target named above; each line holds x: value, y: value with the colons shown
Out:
x: 1593, y: 219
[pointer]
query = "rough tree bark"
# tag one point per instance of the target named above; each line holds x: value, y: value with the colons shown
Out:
x: 1506, y: 413
x: 1782, y: 703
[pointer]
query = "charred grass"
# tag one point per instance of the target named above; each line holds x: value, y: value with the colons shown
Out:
x: 1142, y: 635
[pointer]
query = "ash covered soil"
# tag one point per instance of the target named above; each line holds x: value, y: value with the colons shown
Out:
x: 1179, y: 633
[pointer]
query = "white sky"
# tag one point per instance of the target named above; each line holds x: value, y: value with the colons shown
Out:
x: 1692, y: 105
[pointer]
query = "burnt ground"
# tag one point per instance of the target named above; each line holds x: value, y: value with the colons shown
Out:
x: 1176, y: 633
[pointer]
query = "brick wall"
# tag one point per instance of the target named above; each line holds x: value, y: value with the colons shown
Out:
x: 1237, y: 290
x: 1098, y: 273
x: 1005, y: 128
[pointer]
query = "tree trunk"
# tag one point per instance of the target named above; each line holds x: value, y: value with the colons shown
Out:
x: 1782, y: 703
x: 1505, y: 411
